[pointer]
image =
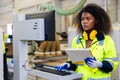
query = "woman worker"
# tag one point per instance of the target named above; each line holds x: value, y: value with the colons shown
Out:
x: 94, y: 26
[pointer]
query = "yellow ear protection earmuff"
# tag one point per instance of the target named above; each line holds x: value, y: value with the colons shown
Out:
x: 91, y: 36
x: 85, y: 36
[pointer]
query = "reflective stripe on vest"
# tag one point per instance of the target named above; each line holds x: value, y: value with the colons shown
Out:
x: 114, y: 59
x: 78, y: 40
x: 99, y: 79
x: 101, y: 42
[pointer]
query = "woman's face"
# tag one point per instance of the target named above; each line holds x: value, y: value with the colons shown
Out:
x: 87, y: 21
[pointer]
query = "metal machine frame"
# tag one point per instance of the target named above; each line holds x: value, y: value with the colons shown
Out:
x: 23, y: 31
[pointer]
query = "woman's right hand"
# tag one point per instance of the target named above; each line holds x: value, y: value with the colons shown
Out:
x: 62, y: 66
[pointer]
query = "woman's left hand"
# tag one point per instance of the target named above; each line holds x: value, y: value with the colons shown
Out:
x: 93, y: 63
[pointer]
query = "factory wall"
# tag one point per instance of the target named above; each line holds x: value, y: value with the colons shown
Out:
x: 11, y: 7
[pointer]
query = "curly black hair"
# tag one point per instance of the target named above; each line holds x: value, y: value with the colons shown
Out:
x: 103, y: 22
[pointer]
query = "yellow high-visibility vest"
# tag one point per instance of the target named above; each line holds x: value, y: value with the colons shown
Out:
x: 106, y: 51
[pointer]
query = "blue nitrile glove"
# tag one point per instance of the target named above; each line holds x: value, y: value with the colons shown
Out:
x: 93, y: 63
x: 62, y: 66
